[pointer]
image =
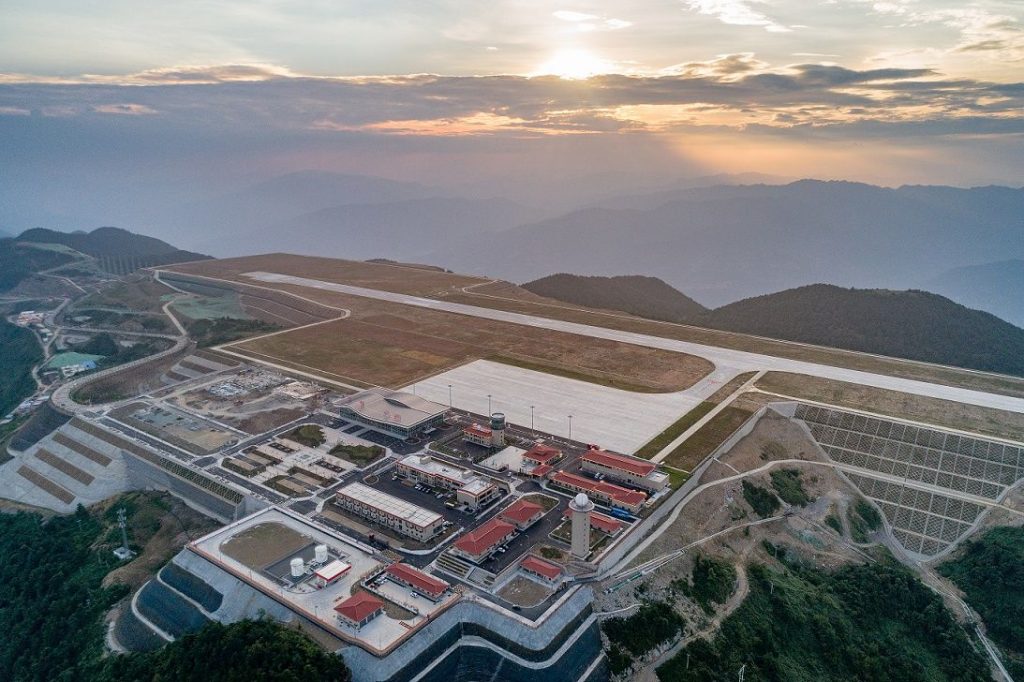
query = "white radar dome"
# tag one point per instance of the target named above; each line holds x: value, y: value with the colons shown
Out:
x: 582, y: 500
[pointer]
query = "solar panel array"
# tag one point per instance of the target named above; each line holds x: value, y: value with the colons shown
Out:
x: 924, y: 522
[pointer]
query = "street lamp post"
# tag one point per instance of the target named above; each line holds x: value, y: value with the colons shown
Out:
x: 531, y: 418
x: 570, y: 427
x: 488, y: 404
x: 449, y: 396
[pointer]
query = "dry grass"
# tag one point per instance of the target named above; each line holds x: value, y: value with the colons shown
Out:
x: 694, y: 449
x: 264, y: 544
x: 390, y: 344
x: 388, y: 277
x: 135, y: 293
x: 981, y: 420
x: 504, y: 296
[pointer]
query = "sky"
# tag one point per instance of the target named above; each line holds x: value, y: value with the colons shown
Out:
x: 198, y: 95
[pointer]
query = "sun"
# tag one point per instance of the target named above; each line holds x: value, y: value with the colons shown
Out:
x: 574, y: 64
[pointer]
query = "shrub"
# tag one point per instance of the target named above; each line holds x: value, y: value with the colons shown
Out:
x: 790, y: 488
x: 761, y: 500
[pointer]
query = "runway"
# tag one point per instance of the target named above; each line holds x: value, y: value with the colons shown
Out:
x: 727, y: 361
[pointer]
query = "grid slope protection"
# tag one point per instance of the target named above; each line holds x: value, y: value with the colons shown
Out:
x: 925, y: 522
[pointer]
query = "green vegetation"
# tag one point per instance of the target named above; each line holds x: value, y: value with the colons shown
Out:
x: 863, y: 519
x: 101, y: 344
x: 789, y: 487
x: 310, y: 435
x: 52, y: 604
x: 18, y: 261
x: 550, y: 553
x: 676, y: 477
x: 990, y: 571
x: 912, y: 324
x: 115, y: 354
x: 701, y: 444
x: 653, y: 624
x: 357, y: 454
x: 51, y: 600
x: 761, y: 500
x: 224, y: 329
x: 257, y: 650
x: 20, y: 354
x: 868, y: 622
x: 644, y: 296
x: 834, y: 522
x: 905, y: 324
x: 658, y: 443
x: 711, y: 582
x: 618, y: 660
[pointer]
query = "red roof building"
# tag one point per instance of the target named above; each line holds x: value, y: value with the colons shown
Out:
x: 481, y: 543
x: 601, y: 522
x: 633, y: 465
x: 475, y: 433
x: 430, y: 587
x: 605, y: 493
x: 540, y: 568
x: 630, y: 470
x: 540, y: 471
x: 522, y: 513
x: 542, y: 454
x: 359, y: 609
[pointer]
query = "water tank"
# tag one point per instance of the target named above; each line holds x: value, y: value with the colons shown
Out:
x: 497, y: 421
x: 320, y: 554
x: 298, y: 568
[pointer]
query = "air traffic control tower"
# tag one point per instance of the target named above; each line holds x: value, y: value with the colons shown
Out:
x: 581, y: 507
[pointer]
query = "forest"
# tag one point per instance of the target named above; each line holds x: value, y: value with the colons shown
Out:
x: 915, y: 325
x: 990, y: 571
x: 20, y: 353
x: 52, y: 604
x: 865, y: 622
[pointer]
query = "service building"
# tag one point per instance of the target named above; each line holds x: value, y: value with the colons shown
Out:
x: 394, y: 513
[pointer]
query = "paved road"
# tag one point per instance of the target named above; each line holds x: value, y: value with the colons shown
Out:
x: 740, y: 361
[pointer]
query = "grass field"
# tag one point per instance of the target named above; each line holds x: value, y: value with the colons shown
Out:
x: 980, y: 420
x: 135, y: 293
x: 389, y: 277
x: 701, y: 444
x: 655, y: 445
x: 505, y: 296
x: 390, y: 344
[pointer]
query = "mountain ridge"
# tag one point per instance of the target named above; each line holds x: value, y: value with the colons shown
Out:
x: 910, y: 324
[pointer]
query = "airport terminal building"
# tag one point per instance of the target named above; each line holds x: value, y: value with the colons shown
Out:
x: 395, y: 413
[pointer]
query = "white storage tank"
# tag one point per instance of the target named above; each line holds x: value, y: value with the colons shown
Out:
x: 320, y: 554
x: 298, y: 567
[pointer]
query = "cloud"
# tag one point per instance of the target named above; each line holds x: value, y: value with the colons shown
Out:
x: 732, y: 91
x: 124, y: 109
x: 737, y: 12
x: 591, y: 22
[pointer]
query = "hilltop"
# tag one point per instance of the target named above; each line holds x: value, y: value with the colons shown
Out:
x: 636, y: 294
x: 108, y: 249
x: 109, y: 241
x: 912, y: 324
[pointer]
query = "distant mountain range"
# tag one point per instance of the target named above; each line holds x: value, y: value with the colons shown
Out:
x: 718, y: 238
x: 719, y: 244
x: 403, y: 230
x: 997, y: 288
x: 908, y: 324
